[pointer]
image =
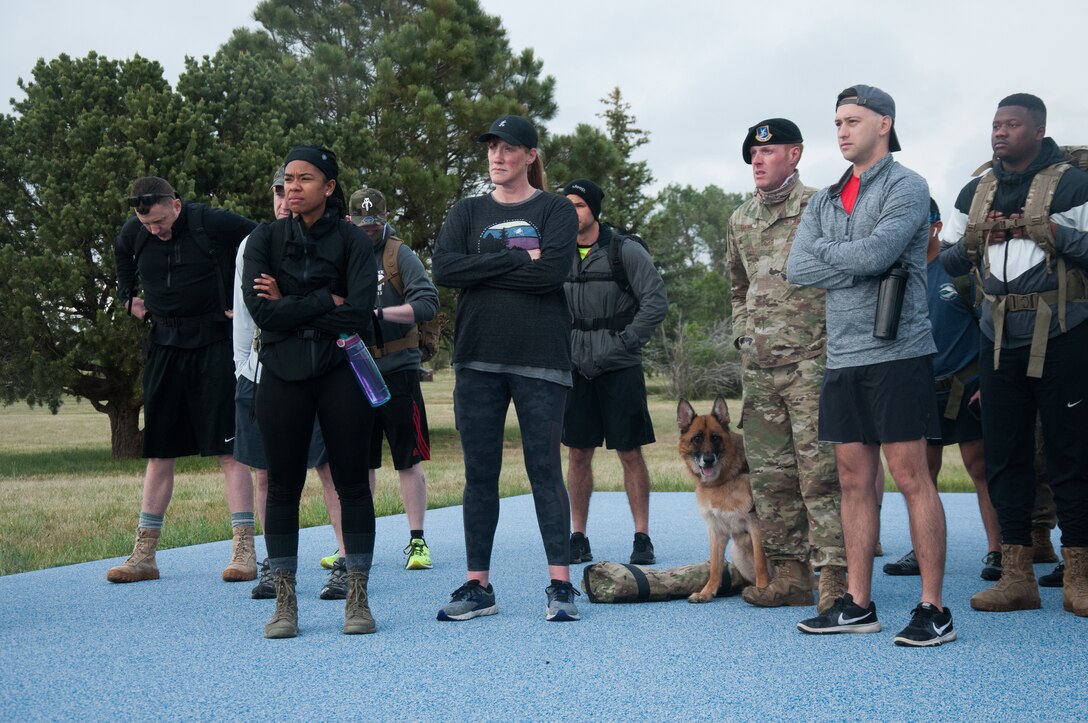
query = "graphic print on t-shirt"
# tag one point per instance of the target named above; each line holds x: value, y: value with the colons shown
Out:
x: 515, y: 234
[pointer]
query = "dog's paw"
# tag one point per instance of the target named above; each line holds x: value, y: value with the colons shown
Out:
x: 700, y: 597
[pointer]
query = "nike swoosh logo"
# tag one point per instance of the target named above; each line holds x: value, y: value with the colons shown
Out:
x: 843, y: 620
x: 940, y: 630
x: 225, y: 441
x: 1073, y: 404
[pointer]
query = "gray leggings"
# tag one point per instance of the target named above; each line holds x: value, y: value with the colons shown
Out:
x: 480, y: 403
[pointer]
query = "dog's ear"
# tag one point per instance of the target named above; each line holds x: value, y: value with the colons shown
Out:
x: 721, y: 411
x: 684, y: 415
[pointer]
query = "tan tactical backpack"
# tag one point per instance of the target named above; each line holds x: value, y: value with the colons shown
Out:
x: 1035, y: 221
x: 426, y: 334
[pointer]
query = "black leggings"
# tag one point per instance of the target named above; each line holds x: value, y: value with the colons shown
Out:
x: 285, y: 414
x: 1009, y: 402
x: 481, y: 400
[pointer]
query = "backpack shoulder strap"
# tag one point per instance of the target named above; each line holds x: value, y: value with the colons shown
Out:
x: 277, y: 247
x: 963, y: 290
x: 138, y: 244
x: 390, y: 268
x: 615, y: 261
x: 224, y: 262
x: 1037, y: 207
x: 978, y: 226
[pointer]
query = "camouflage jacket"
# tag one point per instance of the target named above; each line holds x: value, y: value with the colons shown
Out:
x: 774, y: 322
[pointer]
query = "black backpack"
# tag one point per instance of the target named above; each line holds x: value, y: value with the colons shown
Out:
x: 617, y: 273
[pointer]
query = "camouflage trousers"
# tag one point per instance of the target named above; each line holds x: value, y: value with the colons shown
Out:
x: 795, y: 484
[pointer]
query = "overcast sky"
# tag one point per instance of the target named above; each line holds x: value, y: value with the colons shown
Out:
x: 698, y: 74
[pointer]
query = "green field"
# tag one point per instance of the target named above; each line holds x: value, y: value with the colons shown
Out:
x: 64, y: 500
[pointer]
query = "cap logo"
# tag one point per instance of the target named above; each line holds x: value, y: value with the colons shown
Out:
x: 579, y: 188
x: 763, y: 134
x: 502, y: 124
x: 367, y: 203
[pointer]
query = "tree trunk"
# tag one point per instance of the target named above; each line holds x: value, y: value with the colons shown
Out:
x: 126, y: 436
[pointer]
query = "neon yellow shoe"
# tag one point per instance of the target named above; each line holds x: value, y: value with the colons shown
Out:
x: 328, y: 562
x: 419, y: 557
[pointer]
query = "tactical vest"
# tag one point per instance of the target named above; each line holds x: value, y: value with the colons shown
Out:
x: 1035, y: 222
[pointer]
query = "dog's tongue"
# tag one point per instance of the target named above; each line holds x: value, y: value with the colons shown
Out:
x: 706, y: 471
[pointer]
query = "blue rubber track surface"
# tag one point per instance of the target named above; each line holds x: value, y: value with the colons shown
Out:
x: 190, y: 647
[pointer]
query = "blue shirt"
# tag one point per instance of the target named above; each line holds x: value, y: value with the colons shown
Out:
x: 955, y: 327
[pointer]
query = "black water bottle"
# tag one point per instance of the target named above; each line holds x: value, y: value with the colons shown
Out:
x: 889, y: 302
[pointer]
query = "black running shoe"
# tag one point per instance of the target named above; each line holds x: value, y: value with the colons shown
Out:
x: 579, y: 549
x: 642, y: 552
x: 265, y: 589
x: 906, y: 565
x: 336, y: 587
x: 1055, y: 578
x: 928, y: 627
x: 843, y: 617
x: 991, y: 566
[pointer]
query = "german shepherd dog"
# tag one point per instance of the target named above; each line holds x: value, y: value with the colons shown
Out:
x: 714, y: 455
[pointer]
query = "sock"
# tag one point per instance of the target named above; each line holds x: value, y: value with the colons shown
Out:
x: 242, y: 519
x: 149, y: 521
x: 557, y: 583
x: 287, y: 564
x: 416, y: 534
x: 360, y: 561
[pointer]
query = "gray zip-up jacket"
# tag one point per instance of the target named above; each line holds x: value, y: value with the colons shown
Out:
x: 847, y: 254
x: 604, y: 350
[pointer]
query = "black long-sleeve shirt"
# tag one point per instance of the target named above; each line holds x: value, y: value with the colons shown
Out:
x: 512, y: 310
x: 184, y: 291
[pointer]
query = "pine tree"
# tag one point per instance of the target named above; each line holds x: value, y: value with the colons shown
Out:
x: 628, y: 205
x: 403, y: 89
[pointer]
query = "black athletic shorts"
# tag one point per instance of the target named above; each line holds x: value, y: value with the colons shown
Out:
x: 189, y: 400
x: 967, y: 426
x: 611, y: 409
x: 248, y: 445
x: 879, y: 403
x: 403, y: 420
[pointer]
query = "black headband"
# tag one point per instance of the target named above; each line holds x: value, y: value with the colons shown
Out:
x: 323, y: 158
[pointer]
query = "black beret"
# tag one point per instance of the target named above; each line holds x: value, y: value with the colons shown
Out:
x: 771, y: 132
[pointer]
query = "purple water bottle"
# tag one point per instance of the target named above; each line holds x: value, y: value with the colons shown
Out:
x: 365, y: 370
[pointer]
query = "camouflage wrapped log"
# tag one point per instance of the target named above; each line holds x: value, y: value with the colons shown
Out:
x: 614, y: 582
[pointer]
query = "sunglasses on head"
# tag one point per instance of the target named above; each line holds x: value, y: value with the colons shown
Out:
x: 143, y: 203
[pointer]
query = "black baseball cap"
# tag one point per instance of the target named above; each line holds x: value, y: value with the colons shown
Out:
x: 770, y: 132
x: 875, y: 100
x: 513, y: 129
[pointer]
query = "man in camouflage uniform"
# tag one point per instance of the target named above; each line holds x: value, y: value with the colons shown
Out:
x: 781, y: 333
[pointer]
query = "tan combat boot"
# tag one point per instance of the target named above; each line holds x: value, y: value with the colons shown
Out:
x: 832, y: 586
x: 1075, y: 594
x: 243, y: 558
x: 1016, y: 590
x: 791, y: 585
x: 284, y: 622
x: 357, y: 617
x: 1041, y: 547
x: 140, y: 565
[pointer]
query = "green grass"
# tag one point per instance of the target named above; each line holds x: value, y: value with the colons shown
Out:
x: 64, y: 499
